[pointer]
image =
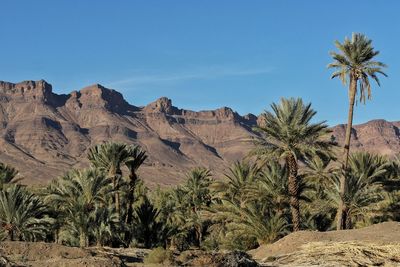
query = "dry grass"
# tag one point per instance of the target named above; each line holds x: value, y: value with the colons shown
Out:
x: 339, y: 254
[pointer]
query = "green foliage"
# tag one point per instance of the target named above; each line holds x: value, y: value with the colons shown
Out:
x: 147, y: 228
x: 364, y: 187
x: 258, y: 214
x: 8, y: 175
x: 251, y: 206
x: 23, y: 216
x: 288, y: 130
x: 288, y: 134
x: 159, y: 256
x: 76, y: 196
x: 355, y: 59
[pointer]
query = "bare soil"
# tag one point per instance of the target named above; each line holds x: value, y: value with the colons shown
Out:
x: 39, y: 254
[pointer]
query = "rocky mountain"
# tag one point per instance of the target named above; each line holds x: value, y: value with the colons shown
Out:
x: 44, y: 134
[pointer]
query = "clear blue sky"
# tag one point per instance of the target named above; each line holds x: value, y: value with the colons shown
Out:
x: 201, y: 54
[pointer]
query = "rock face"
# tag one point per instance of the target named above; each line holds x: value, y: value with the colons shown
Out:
x: 376, y: 136
x: 44, y: 134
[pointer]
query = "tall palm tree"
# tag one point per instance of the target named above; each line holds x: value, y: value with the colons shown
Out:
x: 23, y: 216
x: 354, y: 64
x: 77, y: 195
x: 109, y: 157
x: 8, y: 175
x: 136, y: 158
x: 287, y: 133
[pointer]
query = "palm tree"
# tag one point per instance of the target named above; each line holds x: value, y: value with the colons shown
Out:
x: 23, y: 216
x: 254, y: 220
x: 318, y: 174
x: 197, y: 189
x: 136, y: 158
x: 109, y: 157
x: 287, y: 133
x: 271, y: 187
x: 240, y: 175
x: 8, y: 175
x: 366, y: 177
x: 104, y: 224
x: 354, y: 63
x: 146, y: 224
x: 77, y: 195
x: 173, y: 209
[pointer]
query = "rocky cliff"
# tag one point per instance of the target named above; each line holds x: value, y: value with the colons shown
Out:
x: 44, y: 134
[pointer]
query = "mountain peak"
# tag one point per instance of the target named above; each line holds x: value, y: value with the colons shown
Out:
x: 161, y: 105
x: 28, y: 90
x: 98, y: 96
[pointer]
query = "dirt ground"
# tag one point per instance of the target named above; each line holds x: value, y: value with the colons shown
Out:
x: 376, y: 245
x: 39, y: 254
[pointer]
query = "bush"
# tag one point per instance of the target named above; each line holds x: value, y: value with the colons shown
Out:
x: 159, y: 255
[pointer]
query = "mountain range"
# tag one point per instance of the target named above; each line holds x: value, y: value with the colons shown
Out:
x: 43, y: 134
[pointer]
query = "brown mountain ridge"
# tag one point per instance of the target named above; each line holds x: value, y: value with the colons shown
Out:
x: 43, y: 134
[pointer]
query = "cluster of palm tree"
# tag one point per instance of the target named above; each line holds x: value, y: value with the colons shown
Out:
x: 290, y: 181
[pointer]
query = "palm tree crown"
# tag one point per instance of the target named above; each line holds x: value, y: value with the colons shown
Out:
x: 288, y: 133
x: 355, y: 60
x: 8, y: 175
x: 288, y: 130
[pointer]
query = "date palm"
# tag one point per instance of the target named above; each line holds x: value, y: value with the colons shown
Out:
x: 271, y: 187
x: 240, y: 175
x: 255, y: 220
x: 288, y: 134
x: 147, y: 225
x: 8, y: 175
x: 198, y: 195
x: 197, y: 188
x: 23, y: 216
x: 136, y: 158
x: 104, y: 223
x: 109, y: 157
x: 366, y: 177
x: 354, y: 64
x: 77, y: 195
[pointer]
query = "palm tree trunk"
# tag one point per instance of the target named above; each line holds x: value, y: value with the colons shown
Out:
x: 10, y: 235
x: 112, y: 172
x: 347, y: 219
x: 82, y: 239
x: 131, y: 199
x: 352, y: 96
x: 293, y: 186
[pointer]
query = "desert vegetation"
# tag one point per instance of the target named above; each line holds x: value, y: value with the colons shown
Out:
x: 294, y: 179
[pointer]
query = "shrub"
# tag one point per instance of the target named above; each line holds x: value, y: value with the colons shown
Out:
x: 159, y: 256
